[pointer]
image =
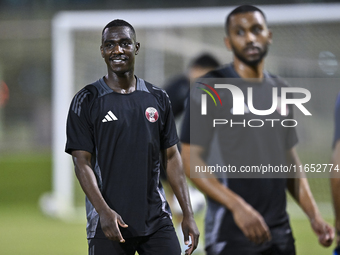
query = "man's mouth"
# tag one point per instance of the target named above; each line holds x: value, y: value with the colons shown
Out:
x: 252, y: 50
x: 118, y: 60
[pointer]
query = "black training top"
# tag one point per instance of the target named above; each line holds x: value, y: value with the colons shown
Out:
x: 125, y: 134
x: 243, y: 146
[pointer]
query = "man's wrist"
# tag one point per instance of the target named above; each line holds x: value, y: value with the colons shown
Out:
x: 102, y: 209
x: 235, y: 204
x: 314, y: 216
x: 188, y: 214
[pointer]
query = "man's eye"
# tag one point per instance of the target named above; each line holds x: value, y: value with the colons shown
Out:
x: 125, y: 44
x: 240, y: 32
x: 257, y: 30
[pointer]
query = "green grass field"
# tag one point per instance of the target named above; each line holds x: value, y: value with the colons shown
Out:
x: 24, y: 230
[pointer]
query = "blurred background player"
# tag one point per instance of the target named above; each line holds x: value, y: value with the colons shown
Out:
x: 248, y: 216
x: 335, y: 180
x: 178, y: 89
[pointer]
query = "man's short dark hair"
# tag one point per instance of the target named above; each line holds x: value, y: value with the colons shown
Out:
x: 242, y: 9
x: 119, y: 23
x: 205, y: 60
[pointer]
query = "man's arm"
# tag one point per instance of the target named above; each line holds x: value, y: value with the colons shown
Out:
x: 299, y: 189
x: 109, y: 219
x: 335, y: 185
x: 246, y: 217
x: 177, y: 180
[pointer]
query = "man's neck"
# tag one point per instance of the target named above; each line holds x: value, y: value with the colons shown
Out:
x: 121, y: 83
x: 249, y: 72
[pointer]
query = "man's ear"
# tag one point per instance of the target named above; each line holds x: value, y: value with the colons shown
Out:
x: 227, y: 42
x: 102, y: 51
x: 137, y: 48
x: 270, y: 36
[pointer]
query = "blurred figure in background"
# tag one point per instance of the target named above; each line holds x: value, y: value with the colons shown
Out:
x: 178, y: 90
x: 178, y: 87
x: 335, y: 180
x: 248, y: 216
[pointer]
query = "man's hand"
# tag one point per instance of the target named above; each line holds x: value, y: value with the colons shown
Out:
x: 189, y: 228
x: 324, y: 231
x: 251, y: 223
x: 109, y: 221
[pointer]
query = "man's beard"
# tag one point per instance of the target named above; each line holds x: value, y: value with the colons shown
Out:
x: 254, y: 62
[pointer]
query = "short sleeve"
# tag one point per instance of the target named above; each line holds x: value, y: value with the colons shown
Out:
x: 169, y: 133
x: 337, y: 121
x: 79, y: 130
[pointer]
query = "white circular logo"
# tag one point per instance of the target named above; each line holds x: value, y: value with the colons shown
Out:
x: 151, y: 114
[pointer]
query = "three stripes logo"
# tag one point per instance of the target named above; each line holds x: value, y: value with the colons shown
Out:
x: 109, y: 117
x: 204, y: 97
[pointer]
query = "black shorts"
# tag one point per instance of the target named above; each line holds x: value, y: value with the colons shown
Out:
x: 282, y: 243
x: 164, y: 241
x: 274, y: 250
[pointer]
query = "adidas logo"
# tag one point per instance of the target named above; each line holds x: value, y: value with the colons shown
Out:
x: 109, y: 117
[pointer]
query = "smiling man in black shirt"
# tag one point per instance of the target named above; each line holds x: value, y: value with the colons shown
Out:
x: 117, y: 128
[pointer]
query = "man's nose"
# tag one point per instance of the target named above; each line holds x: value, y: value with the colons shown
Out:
x: 250, y: 37
x: 117, y: 49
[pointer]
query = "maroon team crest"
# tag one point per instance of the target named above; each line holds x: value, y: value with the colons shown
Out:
x: 151, y: 114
